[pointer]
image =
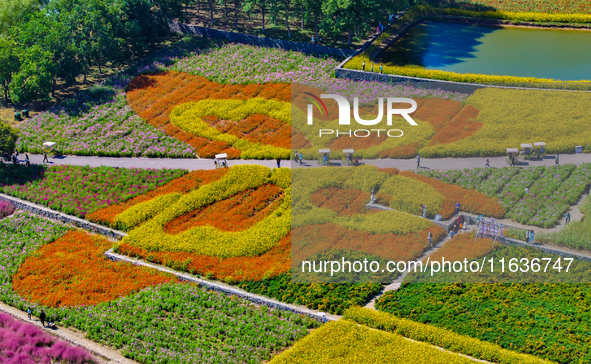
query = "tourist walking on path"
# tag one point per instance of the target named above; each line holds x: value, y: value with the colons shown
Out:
x: 430, y: 239
x: 487, y: 165
x: 532, y: 236
x: 29, y: 312
x: 425, y: 212
x: 418, y: 161
x: 458, y: 207
x: 27, y: 161
x: 296, y: 157
x: 422, y: 208
x: 566, y: 218
x: 42, y: 318
x: 45, y: 157
x: 278, y: 162
x: 301, y: 158
x: 527, y: 235
x: 557, y: 161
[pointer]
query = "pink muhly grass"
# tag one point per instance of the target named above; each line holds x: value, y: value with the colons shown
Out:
x: 23, y: 343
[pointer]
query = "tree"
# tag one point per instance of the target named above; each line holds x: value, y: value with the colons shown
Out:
x: 9, y: 63
x: 312, y: 11
x: 236, y: 5
x: 250, y: 5
x: 14, y: 12
x: 35, y: 77
x: 8, y: 138
x: 286, y: 8
x: 48, y: 30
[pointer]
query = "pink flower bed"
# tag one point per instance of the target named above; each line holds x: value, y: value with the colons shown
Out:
x: 23, y: 343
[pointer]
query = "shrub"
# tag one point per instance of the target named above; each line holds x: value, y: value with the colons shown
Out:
x: 7, y: 208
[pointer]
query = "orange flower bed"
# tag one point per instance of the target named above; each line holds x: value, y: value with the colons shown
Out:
x: 403, y: 151
x: 315, y: 239
x: 463, y: 246
x: 72, y: 271
x: 471, y: 201
x: 345, y: 202
x: 255, y: 128
x: 236, y: 213
x: 153, y: 96
x: 183, y: 185
x: 268, y: 265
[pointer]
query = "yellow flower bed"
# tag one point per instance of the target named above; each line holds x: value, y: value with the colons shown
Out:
x: 365, y: 178
x: 408, y: 195
x: 519, y: 16
x: 210, y: 241
x: 438, y: 336
x: 513, y: 117
x: 188, y: 118
x: 346, y: 342
x: 144, y: 211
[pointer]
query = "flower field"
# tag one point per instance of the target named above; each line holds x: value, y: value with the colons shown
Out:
x: 72, y: 271
x: 546, y: 320
x: 552, y: 189
x: 575, y: 234
x: 79, y: 190
x: 110, y: 128
x: 155, y: 98
x: 464, y: 246
x: 169, y: 322
x: 437, y: 336
x: 346, y: 342
x: 512, y: 117
x: 24, y: 343
x: 537, y: 6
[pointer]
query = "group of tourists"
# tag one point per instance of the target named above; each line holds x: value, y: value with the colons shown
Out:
x: 14, y: 159
x: 423, y: 211
x: 42, y: 318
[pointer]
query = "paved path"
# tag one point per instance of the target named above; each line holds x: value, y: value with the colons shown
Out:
x: 103, y: 354
x: 157, y: 163
x: 402, y: 164
x: 457, y: 163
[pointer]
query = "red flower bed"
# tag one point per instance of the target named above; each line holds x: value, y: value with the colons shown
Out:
x: 463, y: 246
x: 72, y: 271
x: 345, y: 202
x: 236, y: 213
x: 315, y: 239
x: 268, y: 265
x: 153, y: 97
x: 471, y: 201
x: 184, y: 184
x: 256, y: 128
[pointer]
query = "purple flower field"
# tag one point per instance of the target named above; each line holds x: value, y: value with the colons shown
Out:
x: 23, y: 343
x: 79, y: 190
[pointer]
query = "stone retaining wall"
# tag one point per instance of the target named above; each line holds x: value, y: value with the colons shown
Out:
x: 545, y: 249
x: 55, y: 215
x: 258, y: 41
x: 220, y: 287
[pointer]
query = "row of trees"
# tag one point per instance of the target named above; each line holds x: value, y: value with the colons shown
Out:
x: 46, y: 41
x: 332, y: 17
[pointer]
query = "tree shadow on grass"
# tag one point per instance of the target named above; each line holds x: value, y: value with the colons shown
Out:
x: 11, y: 175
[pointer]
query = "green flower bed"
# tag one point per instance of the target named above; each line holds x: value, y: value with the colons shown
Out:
x: 552, y: 190
x: 546, y: 320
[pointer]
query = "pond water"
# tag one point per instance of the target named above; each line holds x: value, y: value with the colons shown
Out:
x: 469, y: 48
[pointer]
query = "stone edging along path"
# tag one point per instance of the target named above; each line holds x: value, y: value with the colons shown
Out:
x: 118, y: 235
x: 223, y: 288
